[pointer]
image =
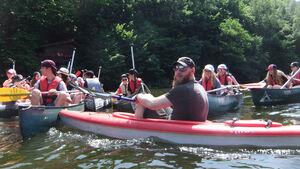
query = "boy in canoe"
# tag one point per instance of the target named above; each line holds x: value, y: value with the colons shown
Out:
x: 187, y: 97
x: 50, y: 83
x: 9, y: 73
x: 295, y: 82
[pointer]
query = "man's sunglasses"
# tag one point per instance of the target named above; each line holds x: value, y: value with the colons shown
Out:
x: 179, y: 67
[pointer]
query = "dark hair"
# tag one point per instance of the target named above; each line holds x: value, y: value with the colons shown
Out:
x: 51, y: 64
x: 33, y: 80
x: 133, y: 71
x: 89, y: 74
x: 16, y: 78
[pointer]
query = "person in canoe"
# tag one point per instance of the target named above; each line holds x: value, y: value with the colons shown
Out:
x: 19, y: 82
x: 63, y: 73
x: 9, y: 73
x: 35, y: 77
x: 134, y: 81
x: 275, y: 78
x: 187, y: 98
x: 123, y: 87
x: 91, y: 82
x: 50, y: 83
x: 209, y: 80
x: 226, y: 78
x: 295, y: 82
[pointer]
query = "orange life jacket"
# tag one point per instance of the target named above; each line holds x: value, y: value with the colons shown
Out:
x: 224, y: 79
x: 296, y: 82
x: 207, y: 84
x: 46, y: 87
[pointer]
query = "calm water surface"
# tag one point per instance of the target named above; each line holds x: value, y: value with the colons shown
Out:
x: 68, y: 148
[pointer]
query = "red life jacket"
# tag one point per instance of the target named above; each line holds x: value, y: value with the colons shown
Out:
x: 224, y: 79
x: 46, y: 87
x: 207, y: 85
x: 272, y: 82
x: 134, y: 86
x: 296, y: 82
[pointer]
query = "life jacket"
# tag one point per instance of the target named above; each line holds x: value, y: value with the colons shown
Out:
x: 207, y: 84
x: 122, y: 89
x: 272, y: 82
x: 45, y: 87
x: 94, y: 84
x: 296, y: 82
x: 223, y: 79
x: 134, y: 85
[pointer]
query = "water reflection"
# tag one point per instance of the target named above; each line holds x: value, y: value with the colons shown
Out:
x: 68, y: 148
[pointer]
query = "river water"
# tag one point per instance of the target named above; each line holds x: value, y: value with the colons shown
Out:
x: 69, y: 148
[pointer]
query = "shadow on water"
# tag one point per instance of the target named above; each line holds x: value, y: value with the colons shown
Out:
x: 68, y: 148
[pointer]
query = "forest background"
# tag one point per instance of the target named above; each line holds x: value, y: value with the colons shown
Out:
x: 247, y: 35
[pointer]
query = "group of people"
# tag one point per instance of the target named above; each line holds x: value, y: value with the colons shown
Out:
x: 187, y: 100
x: 130, y: 83
x: 277, y: 79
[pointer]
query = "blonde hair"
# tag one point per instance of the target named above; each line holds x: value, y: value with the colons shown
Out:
x: 213, y: 78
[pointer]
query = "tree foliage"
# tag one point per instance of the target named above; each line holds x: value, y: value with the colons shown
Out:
x: 244, y: 34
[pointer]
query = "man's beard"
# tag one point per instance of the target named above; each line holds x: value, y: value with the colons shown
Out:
x: 177, y: 81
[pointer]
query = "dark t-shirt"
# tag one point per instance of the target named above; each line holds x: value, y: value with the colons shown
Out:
x: 189, y: 101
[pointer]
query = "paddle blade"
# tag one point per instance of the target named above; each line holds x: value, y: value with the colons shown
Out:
x: 12, y: 94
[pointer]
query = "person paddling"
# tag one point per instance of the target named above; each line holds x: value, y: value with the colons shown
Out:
x: 50, y: 83
x: 295, y: 83
x: 9, y: 73
x: 224, y: 76
x: 275, y: 78
x: 187, y: 97
x: 123, y: 87
x: 209, y: 80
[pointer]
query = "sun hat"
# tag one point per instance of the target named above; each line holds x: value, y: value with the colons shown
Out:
x: 63, y: 71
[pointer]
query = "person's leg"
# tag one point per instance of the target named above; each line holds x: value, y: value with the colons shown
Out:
x: 63, y: 99
x: 77, y: 98
x: 36, y: 97
x: 139, y: 111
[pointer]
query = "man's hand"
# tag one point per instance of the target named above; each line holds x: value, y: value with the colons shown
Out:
x: 52, y: 92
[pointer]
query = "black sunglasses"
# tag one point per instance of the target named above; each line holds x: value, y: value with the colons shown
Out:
x: 179, y: 67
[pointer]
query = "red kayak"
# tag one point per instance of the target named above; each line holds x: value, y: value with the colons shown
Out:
x: 231, y: 133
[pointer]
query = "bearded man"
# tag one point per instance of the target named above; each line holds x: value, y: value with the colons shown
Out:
x: 187, y: 98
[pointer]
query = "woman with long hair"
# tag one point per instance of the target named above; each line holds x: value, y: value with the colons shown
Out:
x: 209, y: 80
x: 35, y: 77
x: 275, y: 78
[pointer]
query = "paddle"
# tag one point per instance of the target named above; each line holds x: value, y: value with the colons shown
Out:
x: 222, y: 88
x: 253, y: 85
x: 98, y: 94
x: 290, y: 79
x: 14, y: 94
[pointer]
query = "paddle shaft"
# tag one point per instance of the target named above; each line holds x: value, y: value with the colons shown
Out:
x: 132, y: 55
x: 222, y: 88
x: 290, y: 79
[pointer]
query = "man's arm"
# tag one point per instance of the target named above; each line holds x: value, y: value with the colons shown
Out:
x: 153, y: 103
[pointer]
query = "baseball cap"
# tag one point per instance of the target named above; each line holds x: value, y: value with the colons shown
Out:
x: 222, y: 66
x: 209, y: 67
x: 49, y: 63
x: 272, y: 66
x: 295, y: 64
x: 11, y: 71
x: 185, y: 61
x: 132, y: 71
